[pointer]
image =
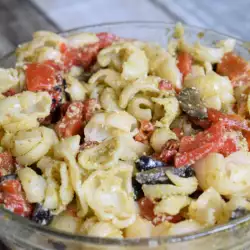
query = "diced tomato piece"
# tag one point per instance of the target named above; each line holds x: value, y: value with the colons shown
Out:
x: 146, y: 208
x: 140, y: 137
x: 145, y: 132
x: 89, y: 107
x: 171, y: 218
x: 72, y: 209
x: 63, y: 47
x: 40, y: 76
x: 147, y: 126
x: 7, y: 165
x: 235, y: 67
x: 194, y: 148
x: 184, y: 63
x: 247, y: 136
x: 106, y: 39
x: 9, y: 92
x: 45, y: 76
x: 203, y: 123
x: 187, y: 143
x: 71, y: 123
x: 165, y: 85
x: 14, y: 199
x: 169, y: 150
x: 196, y: 154
x: 210, y: 141
x: 214, y: 133
x: 229, y: 146
x: 175, y: 218
x: 88, y: 55
x: 231, y: 121
x: 167, y: 154
x: 84, y: 57
x: 54, y: 65
x: 178, y: 132
x: 147, y: 211
x: 63, y: 108
x: 11, y: 186
x: 71, y: 58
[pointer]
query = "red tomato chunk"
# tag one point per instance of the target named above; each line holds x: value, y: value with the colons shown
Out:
x: 231, y: 121
x: 235, y: 67
x: 40, y: 76
x: 87, y: 55
x: 165, y: 85
x: 71, y: 123
x: 229, y: 147
x: 147, y: 211
x: 169, y: 150
x: 89, y: 107
x: 184, y: 63
x: 145, y: 132
x: 13, y: 198
x: 194, y: 148
x: 9, y: 92
x: 7, y: 165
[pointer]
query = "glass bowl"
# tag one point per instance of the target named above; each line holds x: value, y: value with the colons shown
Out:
x: 20, y: 233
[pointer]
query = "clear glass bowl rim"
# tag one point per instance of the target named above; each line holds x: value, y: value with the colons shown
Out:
x: 231, y: 225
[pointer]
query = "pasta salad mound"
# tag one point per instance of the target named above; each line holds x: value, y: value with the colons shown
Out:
x: 112, y: 137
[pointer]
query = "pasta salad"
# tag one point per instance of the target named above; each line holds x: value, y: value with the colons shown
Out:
x: 112, y: 137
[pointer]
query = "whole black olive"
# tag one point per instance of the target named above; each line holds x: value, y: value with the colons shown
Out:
x: 238, y: 212
x: 137, y: 188
x: 8, y: 177
x: 41, y: 215
x: 147, y: 162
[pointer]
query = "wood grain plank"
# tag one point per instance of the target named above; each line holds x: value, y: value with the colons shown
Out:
x: 18, y: 20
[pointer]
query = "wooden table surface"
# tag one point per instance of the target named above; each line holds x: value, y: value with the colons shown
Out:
x: 20, y: 18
